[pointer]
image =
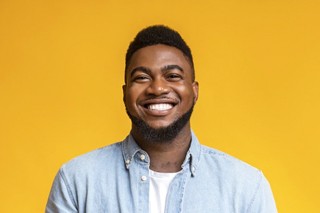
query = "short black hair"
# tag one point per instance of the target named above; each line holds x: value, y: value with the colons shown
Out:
x: 159, y: 34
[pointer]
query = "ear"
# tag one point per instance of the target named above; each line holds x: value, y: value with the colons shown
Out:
x: 124, y: 87
x: 195, y: 87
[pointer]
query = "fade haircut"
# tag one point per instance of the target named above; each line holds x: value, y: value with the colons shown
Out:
x: 159, y: 34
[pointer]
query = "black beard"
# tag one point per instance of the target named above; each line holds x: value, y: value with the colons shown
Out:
x: 160, y: 135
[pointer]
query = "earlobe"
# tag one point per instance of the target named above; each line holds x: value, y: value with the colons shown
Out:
x: 195, y: 87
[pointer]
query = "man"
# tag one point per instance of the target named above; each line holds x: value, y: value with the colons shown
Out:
x: 160, y: 167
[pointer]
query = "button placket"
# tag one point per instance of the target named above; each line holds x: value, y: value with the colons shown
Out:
x: 144, y: 178
x: 142, y: 157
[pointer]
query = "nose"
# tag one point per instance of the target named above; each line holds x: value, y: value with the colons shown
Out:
x: 158, y: 87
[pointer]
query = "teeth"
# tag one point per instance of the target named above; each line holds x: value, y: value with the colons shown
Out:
x: 160, y: 106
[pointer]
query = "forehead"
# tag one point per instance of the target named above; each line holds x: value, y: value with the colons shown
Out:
x: 158, y: 55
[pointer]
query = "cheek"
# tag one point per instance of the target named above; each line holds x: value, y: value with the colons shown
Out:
x: 131, y: 97
x: 186, y: 93
x: 129, y: 100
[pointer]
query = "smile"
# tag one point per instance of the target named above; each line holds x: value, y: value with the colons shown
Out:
x: 160, y: 107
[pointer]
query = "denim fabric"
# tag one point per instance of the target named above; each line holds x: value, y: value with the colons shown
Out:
x: 116, y: 179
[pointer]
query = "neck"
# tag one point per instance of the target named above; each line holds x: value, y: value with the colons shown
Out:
x: 166, y: 156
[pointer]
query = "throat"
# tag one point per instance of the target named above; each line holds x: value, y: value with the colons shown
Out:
x: 165, y: 165
x: 167, y: 157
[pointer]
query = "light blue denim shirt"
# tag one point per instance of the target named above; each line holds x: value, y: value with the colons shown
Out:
x: 116, y: 179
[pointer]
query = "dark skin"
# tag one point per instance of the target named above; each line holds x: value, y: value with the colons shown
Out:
x: 168, y: 156
x: 159, y: 89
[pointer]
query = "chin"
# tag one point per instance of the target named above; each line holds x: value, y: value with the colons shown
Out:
x: 157, y: 125
x: 160, y: 131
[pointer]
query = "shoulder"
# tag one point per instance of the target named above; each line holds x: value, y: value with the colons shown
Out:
x: 94, y: 161
x: 227, y: 178
x: 238, y: 180
x: 222, y: 158
x: 229, y: 168
x: 244, y: 183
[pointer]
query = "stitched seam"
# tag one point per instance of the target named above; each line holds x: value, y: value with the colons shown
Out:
x: 256, y: 192
x: 64, y: 179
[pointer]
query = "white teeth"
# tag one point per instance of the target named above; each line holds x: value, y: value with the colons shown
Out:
x: 160, y: 107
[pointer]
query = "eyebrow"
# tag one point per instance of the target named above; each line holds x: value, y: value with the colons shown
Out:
x: 171, y: 67
x: 163, y: 69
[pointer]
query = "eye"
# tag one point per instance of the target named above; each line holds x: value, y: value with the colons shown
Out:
x: 141, y: 78
x: 173, y: 77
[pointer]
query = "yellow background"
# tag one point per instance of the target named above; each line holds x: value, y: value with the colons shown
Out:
x: 61, y: 72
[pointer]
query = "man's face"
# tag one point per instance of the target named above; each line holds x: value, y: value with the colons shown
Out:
x: 159, y: 86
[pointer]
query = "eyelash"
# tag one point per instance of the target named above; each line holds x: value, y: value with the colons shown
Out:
x: 170, y: 77
x: 140, y: 78
x: 174, y: 76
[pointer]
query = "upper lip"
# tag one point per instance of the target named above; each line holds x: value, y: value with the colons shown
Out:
x: 162, y: 100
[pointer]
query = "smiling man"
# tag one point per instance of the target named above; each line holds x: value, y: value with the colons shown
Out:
x: 161, y: 166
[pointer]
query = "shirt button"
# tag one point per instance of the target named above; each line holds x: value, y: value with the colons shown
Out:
x: 142, y: 157
x: 143, y: 178
x: 127, y: 161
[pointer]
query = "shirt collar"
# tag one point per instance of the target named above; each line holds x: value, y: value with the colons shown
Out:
x: 193, y: 154
x: 130, y: 148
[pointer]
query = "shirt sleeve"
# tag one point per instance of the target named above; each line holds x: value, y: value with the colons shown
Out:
x: 61, y: 199
x: 263, y: 201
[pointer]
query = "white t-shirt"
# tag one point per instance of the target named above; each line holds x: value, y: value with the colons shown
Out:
x: 159, y: 184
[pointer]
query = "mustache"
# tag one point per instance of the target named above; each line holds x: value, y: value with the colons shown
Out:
x: 161, y: 97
